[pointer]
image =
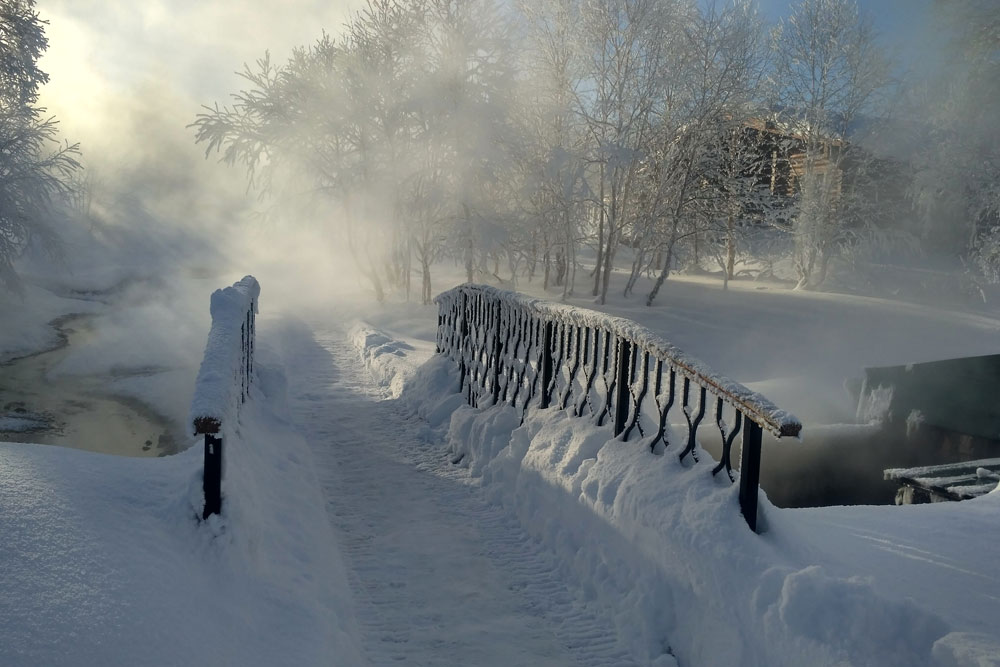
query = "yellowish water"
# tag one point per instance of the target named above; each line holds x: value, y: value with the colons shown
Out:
x: 73, y: 410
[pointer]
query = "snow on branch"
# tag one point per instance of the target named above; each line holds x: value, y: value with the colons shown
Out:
x: 753, y: 405
x: 224, y: 377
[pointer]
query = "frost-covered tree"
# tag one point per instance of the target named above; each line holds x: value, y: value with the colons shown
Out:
x: 397, y: 127
x: 471, y: 80
x: 35, y: 169
x: 829, y: 70
x: 625, y: 45
x: 714, y: 91
x: 550, y: 142
x: 957, y: 158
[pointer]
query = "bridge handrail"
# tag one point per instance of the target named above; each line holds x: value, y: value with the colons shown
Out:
x: 225, y: 375
x: 511, y: 341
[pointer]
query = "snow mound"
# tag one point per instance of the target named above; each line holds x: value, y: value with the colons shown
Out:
x: 967, y: 649
x: 215, y: 395
x: 105, y: 560
x: 391, y: 361
x: 663, y: 543
x: 847, y: 618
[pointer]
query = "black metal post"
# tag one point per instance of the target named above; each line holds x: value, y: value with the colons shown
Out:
x: 212, y: 482
x: 437, y: 338
x: 253, y: 334
x: 246, y: 352
x: 497, y: 351
x: 750, y: 472
x: 464, y: 313
x: 622, y: 390
x: 243, y: 356
x: 545, y: 361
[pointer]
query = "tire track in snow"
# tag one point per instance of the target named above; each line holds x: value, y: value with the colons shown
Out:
x: 440, y: 576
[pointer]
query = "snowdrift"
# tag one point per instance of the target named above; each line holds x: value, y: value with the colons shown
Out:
x: 664, y: 543
x: 106, y: 562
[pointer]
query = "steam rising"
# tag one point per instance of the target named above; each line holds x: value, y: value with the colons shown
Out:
x: 126, y: 80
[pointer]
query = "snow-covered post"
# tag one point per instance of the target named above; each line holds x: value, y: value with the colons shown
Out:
x: 224, y: 378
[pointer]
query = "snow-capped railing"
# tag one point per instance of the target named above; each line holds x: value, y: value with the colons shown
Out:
x: 517, y: 349
x: 224, y: 379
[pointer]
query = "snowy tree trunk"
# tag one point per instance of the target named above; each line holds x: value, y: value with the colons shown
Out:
x: 470, y: 246
x: 730, y: 249
x: 600, y: 238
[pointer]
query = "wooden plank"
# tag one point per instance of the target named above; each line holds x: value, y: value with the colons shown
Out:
x: 951, y: 481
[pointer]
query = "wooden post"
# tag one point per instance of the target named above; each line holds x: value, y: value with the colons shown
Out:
x: 545, y: 361
x: 624, y: 378
x: 750, y: 472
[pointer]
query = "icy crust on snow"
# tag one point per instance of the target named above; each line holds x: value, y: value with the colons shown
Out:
x: 106, y: 562
x: 217, y: 384
x: 752, y: 404
x: 662, y: 544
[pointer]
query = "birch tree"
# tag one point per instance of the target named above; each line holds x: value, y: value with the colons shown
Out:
x: 551, y: 140
x: 829, y: 70
x: 717, y: 84
x: 625, y: 43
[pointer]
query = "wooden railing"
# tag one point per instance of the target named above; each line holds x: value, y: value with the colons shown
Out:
x: 522, y: 351
x: 224, y: 378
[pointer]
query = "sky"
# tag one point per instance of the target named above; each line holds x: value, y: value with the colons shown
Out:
x: 183, y: 51
x: 186, y: 51
x: 904, y: 25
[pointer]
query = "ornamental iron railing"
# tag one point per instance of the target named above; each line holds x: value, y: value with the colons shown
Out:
x: 526, y: 352
x: 224, y: 379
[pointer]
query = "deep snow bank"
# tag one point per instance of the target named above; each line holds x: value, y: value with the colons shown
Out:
x: 391, y: 361
x: 104, y: 560
x: 664, y: 544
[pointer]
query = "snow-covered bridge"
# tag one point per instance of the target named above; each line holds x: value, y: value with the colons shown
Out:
x: 370, y: 515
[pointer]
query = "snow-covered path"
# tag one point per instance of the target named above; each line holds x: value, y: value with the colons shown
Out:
x: 439, y: 575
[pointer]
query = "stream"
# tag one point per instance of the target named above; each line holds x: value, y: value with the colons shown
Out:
x: 76, y: 410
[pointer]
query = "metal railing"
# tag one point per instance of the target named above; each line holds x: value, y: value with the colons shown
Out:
x: 523, y: 351
x: 224, y: 378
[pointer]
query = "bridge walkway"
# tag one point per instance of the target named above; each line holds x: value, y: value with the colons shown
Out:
x: 440, y: 576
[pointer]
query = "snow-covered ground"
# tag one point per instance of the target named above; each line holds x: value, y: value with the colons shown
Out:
x: 105, y: 561
x: 796, y: 347
x: 350, y: 538
x: 663, y: 546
